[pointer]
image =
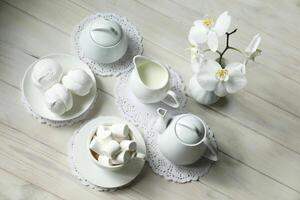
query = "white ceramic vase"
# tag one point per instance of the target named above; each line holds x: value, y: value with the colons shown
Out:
x: 199, y: 94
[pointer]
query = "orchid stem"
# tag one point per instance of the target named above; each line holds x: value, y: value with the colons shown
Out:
x: 226, y: 48
x: 219, y: 52
x: 236, y: 49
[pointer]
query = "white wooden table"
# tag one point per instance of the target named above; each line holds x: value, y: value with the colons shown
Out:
x: 258, y: 129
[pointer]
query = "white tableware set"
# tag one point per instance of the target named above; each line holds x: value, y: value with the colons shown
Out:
x: 107, y: 42
x: 182, y: 139
x: 186, y: 136
x: 150, y: 82
x: 113, y: 146
x: 109, y: 152
x: 59, y: 88
x: 104, y: 41
x: 120, y: 136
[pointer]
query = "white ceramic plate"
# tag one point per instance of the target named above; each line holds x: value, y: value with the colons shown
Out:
x: 35, y: 96
x: 95, y: 174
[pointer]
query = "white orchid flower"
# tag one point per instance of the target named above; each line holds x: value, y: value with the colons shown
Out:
x: 195, y: 52
x: 197, y: 58
x: 212, y: 77
x: 253, y: 46
x: 198, y: 63
x: 252, y: 49
x: 206, y: 30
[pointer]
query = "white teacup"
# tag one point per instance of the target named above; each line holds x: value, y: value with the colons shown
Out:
x: 149, y: 82
x: 112, y: 155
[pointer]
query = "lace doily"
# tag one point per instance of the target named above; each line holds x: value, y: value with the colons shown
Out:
x: 140, y: 114
x: 163, y: 167
x: 143, y: 115
x: 135, y: 45
x: 52, y: 123
x: 76, y: 173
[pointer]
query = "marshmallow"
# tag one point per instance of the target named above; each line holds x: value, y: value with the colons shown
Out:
x: 120, y: 131
x: 101, y: 128
x: 46, y: 73
x: 122, y: 157
x: 110, y: 148
x: 96, y: 146
x: 58, y: 99
x: 103, y: 133
x: 78, y: 81
x: 128, y: 145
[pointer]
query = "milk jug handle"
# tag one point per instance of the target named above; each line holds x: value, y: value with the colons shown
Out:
x: 213, y: 151
x: 174, y: 103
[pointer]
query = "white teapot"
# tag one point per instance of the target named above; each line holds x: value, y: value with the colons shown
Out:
x: 183, y: 139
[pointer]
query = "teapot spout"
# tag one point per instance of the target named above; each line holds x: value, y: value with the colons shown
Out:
x: 161, y: 122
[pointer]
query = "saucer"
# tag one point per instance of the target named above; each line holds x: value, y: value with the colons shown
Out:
x: 35, y: 97
x: 88, y: 170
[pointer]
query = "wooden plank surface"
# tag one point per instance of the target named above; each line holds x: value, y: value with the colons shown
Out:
x: 257, y: 129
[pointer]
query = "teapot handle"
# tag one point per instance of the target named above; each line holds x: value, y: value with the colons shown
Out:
x: 213, y: 151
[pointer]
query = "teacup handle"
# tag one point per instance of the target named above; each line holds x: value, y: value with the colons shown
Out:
x: 139, y: 156
x: 213, y: 151
x: 175, y: 103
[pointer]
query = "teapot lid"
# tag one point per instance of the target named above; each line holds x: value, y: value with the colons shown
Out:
x: 190, y: 129
x: 105, y: 32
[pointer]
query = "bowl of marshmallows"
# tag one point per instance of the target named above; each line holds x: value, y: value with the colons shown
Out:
x: 60, y: 88
x: 113, y: 146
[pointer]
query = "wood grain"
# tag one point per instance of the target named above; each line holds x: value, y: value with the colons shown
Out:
x: 250, y: 118
x: 15, y: 188
x: 257, y: 129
